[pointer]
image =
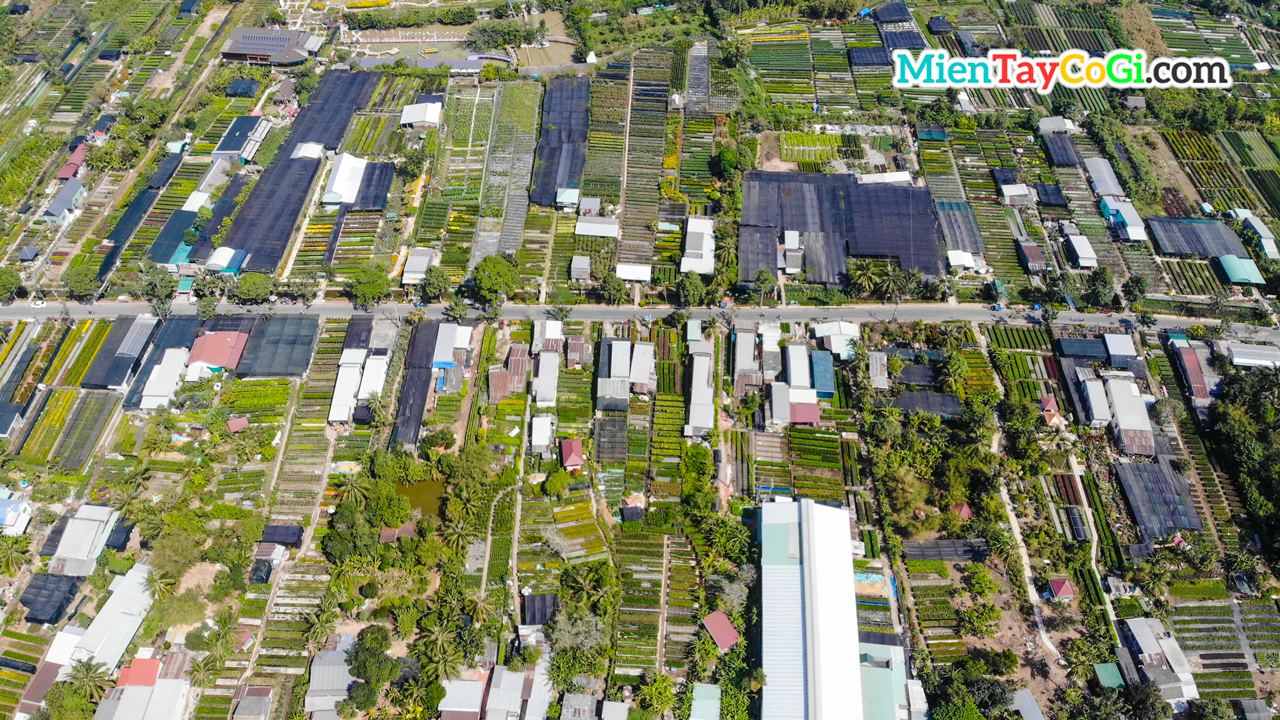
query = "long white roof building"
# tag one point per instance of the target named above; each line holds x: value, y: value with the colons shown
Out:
x: 810, y: 618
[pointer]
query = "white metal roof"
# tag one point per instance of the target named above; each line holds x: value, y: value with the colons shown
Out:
x: 345, y: 388
x: 780, y: 403
x: 791, y: 239
x: 1086, y: 256
x: 505, y: 689
x: 168, y: 700
x: 1120, y: 345
x: 415, y: 265
x: 83, y: 540
x: 878, y: 369
x: 116, y: 623
x: 1127, y: 405
x: 699, y: 246
x: 809, y: 623
x: 64, y: 643
x: 840, y: 327
x: 445, y: 337
x: 744, y: 352
x: 960, y: 259
x: 804, y: 396
x: 312, y: 150
x: 352, y: 357
x: 1243, y: 355
x: 1096, y: 397
x: 1104, y: 178
x: 641, y: 362
x: 196, y: 201
x: 701, y: 399
x: 598, y: 227
x: 420, y: 113
x: 620, y: 358
x: 374, y: 377
x: 798, y: 365
x: 165, y: 379
x: 885, y: 178
x: 552, y: 330
x: 634, y: 273
x: 344, y: 179
x: 547, y: 379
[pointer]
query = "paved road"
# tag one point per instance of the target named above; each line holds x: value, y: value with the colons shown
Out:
x: 927, y: 312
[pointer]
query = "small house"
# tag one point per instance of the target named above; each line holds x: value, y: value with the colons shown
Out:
x: 721, y: 630
x: 1061, y: 589
x: 64, y: 205
x: 421, y: 116
x: 1033, y: 258
x: 571, y: 454
x: 939, y: 25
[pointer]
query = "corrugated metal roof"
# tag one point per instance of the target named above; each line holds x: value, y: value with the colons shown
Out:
x: 798, y: 365
x: 824, y: 377
x: 116, y: 623
x: 641, y: 363
x: 1245, y: 355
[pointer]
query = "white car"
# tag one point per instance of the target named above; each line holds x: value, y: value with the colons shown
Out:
x: 39, y: 303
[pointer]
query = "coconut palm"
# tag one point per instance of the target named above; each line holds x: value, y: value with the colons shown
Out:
x: 160, y: 584
x: 442, y: 664
x: 862, y: 275
x: 480, y: 607
x: 727, y: 254
x: 353, y: 487
x: 950, y: 337
x: 91, y: 678
x: 14, y: 553
x: 204, y: 671
x: 456, y: 535
x: 320, y: 625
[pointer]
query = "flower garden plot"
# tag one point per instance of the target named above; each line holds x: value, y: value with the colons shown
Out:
x: 1251, y: 150
x: 639, y: 558
x: 809, y: 147
x: 1193, y: 278
x: 1261, y: 625
x: 639, y: 422
x: 83, y: 430
x: 647, y: 127
x: 263, y: 401
x: 606, y: 138
x: 682, y: 580
x: 537, y: 564
x: 315, y: 243
x: 780, y: 54
x: 833, y: 83
x: 696, y: 151
x: 75, y: 97
x: 356, y: 241
x: 574, y: 404
x: 50, y: 422
x: 1017, y: 338
x: 816, y: 469
x: 666, y: 447
x: 535, y: 246
x: 772, y: 472
x: 1267, y: 181
x: 433, y: 218
x: 65, y: 350
x: 373, y: 135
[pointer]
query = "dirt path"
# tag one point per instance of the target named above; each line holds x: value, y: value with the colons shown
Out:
x: 1026, y: 572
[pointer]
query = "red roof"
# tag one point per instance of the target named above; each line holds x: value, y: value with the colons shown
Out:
x: 140, y: 672
x: 74, y: 162
x: 238, y: 424
x: 1194, y: 373
x: 1062, y: 588
x: 571, y: 455
x: 1049, y: 403
x: 721, y: 630
x: 963, y: 510
x: 390, y: 534
x: 219, y: 349
x: 805, y: 413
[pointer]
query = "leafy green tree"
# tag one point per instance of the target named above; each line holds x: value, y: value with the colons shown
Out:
x: 207, y: 307
x: 1210, y: 710
x: 254, y: 288
x: 613, y: 290
x: 1147, y: 319
x: 369, y: 285
x: 557, y: 484
x: 10, y: 283
x: 691, y: 289
x: 1146, y: 703
x: 456, y: 310
x: 493, y: 279
x: 1134, y: 288
x: 435, y: 283
x: 979, y: 581
x: 81, y: 280
x: 65, y: 701
x: 727, y: 161
x: 765, y: 282
x: 364, y: 696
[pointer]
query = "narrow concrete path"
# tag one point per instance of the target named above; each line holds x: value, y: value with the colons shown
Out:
x: 662, y: 608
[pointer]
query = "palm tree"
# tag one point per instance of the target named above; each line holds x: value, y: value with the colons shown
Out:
x: 204, y: 671
x: 14, y: 553
x: 353, y: 487
x: 160, y: 584
x: 457, y: 536
x: 863, y: 275
x: 727, y: 254
x: 480, y: 606
x: 91, y: 678
x: 1153, y: 578
x: 320, y: 625
x: 950, y: 336
x: 442, y: 664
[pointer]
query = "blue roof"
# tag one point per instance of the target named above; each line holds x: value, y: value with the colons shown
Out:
x: 1241, y: 270
x: 824, y: 375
